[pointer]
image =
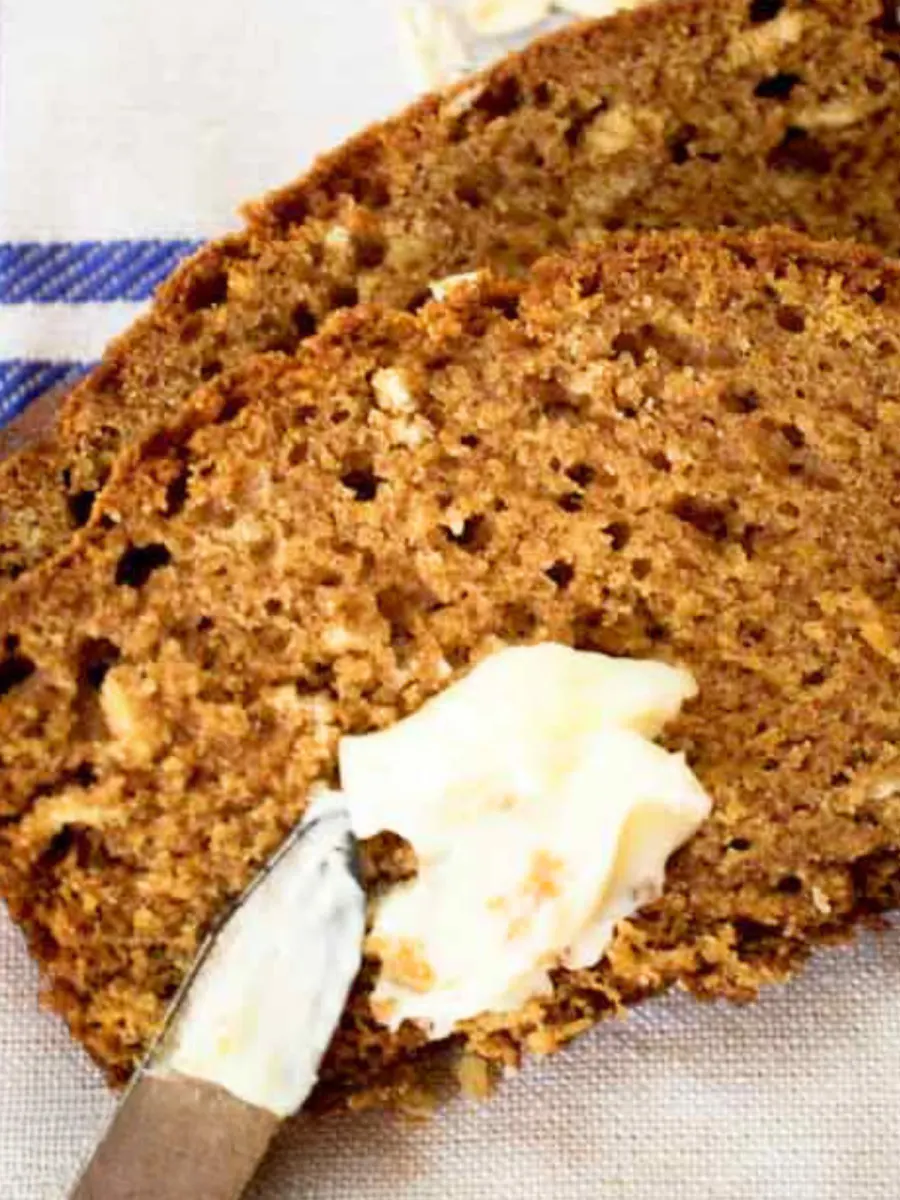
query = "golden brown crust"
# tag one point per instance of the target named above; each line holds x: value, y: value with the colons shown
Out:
x: 678, y: 447
x: 699, y: 114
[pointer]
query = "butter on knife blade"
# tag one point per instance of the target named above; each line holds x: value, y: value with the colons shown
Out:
x: 245, y: 1037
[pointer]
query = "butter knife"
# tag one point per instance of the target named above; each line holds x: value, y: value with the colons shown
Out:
x: 244, y: 1039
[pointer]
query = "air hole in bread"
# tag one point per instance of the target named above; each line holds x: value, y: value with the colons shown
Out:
x: 319, y: 677
x: 790, y: 318
x: 344, y: 295
x: 800, y: 151
x: 561, y: 573
x: 290, y: 209
x: 475, y: 534
x: 793, y: 435
x: 500, y: 99
x: 362, y: 482
x: 790, y: 885
x: 96, y: 657
x: 680, y: 144
x: 233, y: 404
x: 542, y: 96
x: 708, y: 519
x: 751, y: 633
x: 765, y: 10
x: 15, y: 669
x: 741, y: 402
x: 641, y: 568
x: 815, y: 678
x: 303, y: 320
x: 57, y: 849
x: 878, y: 295
x: 619, y: 534
x: 399, y: 606
x: 371, y: 251
x: 209, y: 370
x: 470, y: 194
x: 889, y: 21
x: 777, y: 87
x: 740, y: 844
x: 206, y: 291
x: 418, y: 300
x: 303, y: 414
x: 138, y: 563
x: 571, y: 502
x: 80, y: 842
x: 508, y: 305
x: 582, y: 473
x: 80, y: 505
x: 753, y: 939
x: 177, y: 491
x: 580, y: 123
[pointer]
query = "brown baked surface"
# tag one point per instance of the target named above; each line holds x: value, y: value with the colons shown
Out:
x: 716, y: 112
x: 677, y: 447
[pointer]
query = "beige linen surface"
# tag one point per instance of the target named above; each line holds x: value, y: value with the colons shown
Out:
x: 794, y: 1098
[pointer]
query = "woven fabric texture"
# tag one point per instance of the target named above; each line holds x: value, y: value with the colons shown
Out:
x: 794, y: 1098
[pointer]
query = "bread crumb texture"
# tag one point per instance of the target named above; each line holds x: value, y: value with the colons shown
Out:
x: 701, y: 114
x: 677, y: 447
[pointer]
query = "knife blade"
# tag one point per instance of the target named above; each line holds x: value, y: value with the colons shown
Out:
x: 244, y: 1038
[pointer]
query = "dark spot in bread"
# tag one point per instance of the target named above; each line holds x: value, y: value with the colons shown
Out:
x: 801, y: 151
x: 765, y: 10
x: 777, y: 87
x: 138, y: 563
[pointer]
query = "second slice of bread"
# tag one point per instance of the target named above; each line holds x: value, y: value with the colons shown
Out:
x: 673, y: 447
x: 700, y: 114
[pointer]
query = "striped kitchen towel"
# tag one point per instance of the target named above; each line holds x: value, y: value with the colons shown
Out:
x: 131, y: 132
x: 61, y: 301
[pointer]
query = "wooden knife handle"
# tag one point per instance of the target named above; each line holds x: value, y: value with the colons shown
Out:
x: 176, y: 1138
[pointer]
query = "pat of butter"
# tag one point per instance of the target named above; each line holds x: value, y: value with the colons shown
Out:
x: 541, y: 812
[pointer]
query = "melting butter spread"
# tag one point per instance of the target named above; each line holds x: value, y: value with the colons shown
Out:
x: 541, y: 812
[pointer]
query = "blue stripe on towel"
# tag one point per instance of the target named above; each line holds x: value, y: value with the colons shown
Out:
x: 80, y: 272
x: 24, y: 380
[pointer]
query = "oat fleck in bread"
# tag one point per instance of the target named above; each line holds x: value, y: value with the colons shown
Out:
x: 675, y: 447
x: 721, y: 112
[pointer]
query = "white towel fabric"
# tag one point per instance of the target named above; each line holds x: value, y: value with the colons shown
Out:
x: 127, y: 131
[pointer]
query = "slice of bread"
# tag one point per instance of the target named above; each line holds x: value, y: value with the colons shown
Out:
x: 678, y: 447
x: 703, y: 114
